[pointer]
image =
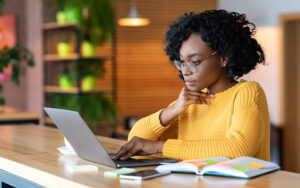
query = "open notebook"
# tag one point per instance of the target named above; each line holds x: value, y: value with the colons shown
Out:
x: 242, y: 167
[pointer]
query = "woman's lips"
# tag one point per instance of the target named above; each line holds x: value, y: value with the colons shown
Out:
x: 189, y: 83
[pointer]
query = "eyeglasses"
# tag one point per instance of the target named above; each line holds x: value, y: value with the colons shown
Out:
x: 191, y: 66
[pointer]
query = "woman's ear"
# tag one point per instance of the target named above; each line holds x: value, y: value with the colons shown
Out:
x: 223, y: 61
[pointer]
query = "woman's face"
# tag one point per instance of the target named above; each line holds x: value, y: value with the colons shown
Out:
x: 211, y: 69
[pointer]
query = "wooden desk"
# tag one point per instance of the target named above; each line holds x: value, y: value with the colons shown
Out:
x: 30, y: 152
x: 10, y: 115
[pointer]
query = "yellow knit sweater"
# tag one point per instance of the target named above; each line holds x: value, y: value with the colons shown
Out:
x: 235, y: 124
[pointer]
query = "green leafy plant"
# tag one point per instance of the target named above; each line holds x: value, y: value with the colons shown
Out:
x: 13, y: 57
x: 94, y: 108
x: 95, y: 18
x: 70, y: 72
x: 98, y: 107
x: 93, y: 68
x: 90, y: 67
x: 1, y: 4
x: 95, y: 22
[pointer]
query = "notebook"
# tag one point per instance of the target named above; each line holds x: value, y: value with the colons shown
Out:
x: 242, y: 167
x: 85, y: 143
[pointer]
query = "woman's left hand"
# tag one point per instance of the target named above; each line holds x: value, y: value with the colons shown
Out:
x: 139, y: 146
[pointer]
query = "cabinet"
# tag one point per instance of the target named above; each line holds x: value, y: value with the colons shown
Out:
x: 75, y: 93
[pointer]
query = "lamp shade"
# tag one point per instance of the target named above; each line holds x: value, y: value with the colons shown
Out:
x: 133, y: 19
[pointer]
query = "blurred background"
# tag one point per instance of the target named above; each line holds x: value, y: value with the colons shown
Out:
x: 89, y: 56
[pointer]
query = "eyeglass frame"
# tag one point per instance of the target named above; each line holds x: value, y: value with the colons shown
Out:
x: 190, y: 65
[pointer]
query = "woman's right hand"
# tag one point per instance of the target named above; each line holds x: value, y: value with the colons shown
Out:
x: 186, y: 97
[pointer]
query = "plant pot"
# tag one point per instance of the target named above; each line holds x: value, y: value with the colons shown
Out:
x: 64, y: 49
x: 61, y: 17
x: 65, y: 82
x: 88, y: 49
x: 88, y: 83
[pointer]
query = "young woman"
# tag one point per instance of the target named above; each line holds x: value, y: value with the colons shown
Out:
x: 215, y: 114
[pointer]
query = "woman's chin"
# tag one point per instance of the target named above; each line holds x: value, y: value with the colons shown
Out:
x: 193, y: 88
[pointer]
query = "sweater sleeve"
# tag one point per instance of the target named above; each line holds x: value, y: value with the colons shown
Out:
x: 151, y: 128
x: 249, y: 125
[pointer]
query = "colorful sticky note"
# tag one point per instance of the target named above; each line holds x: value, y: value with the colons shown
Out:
x: 81, y: 168
x: 197, y: 160
x: 255, y: 165
x: 241, y: 168
x: 199, y: 165
x: 194, y: 160
x: 225, y: 165
x: 210, y: 162
x: 116, y: 173
x: 223, y: 162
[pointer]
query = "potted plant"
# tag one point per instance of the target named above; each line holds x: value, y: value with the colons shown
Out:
x: 95, y: 19
x: 88, y: 49
x: 61, y: 17
x: 12, y: 57
x: 64, y: 47
x: 67, y: 15
x: 91, y: 70
x: 10, y: 61
x: 96, y: 108
x: 67, y: 77
x: 93, y: 107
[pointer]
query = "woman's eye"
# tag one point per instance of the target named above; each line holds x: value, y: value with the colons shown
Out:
x: 196, y: 62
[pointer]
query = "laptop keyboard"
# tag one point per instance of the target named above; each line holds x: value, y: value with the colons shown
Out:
x: 135, y: 162
x: 129, y: 161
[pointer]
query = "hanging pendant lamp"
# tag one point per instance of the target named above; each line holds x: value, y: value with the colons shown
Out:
x: 133, y: 18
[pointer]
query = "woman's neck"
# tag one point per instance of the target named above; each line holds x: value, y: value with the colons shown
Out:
x: 221, y: 85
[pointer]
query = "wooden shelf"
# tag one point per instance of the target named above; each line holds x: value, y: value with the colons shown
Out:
x: 53, y: 63
x: 74, y: 90
x: 12, y: 114
x: 55, y: 25
x: 72, y: 57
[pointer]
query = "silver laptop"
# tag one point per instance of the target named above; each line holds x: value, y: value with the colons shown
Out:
x: 85, y: 143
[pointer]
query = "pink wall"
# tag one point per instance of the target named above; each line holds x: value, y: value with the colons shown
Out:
x: 28, y: 95
x: 16, y: 96
x: 34, y: 76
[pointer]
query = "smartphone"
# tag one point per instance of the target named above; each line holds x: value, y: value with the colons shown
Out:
x: 144, y: 174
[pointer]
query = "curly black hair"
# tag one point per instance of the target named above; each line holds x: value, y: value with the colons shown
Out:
x: 228, y: 33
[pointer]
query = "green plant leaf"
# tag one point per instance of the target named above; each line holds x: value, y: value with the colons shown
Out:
x: 14, y: 53
x: 2, y: 101
x: 15, y: 74
x: 93, y: 68
x: 93, y: 108
x: 96, y: 21
x: 13, y: 56
x: 1, y: 4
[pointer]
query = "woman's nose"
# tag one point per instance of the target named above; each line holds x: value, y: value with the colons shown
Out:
x: 185, y: 71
